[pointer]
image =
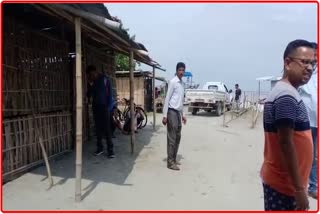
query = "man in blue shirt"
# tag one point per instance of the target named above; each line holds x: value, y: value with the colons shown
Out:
x: 308, y: 94
x: 100, y: 90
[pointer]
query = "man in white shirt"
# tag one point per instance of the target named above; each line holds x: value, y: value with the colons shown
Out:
x: 173, y: 115
x: 308, y: 94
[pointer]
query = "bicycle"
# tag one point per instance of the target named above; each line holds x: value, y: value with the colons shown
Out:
x: 142, y: 119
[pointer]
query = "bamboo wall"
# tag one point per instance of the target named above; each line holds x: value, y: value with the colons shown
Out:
x: 37, y: 84
x: 39, y: 94
x: 123, y: 89
x: 20, y: 145
x: 36, y: 75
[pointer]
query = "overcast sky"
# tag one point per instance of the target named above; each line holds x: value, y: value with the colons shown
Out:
x: 232, y: 43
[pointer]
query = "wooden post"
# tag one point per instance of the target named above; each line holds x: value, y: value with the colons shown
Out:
x: 132, y: 112
x: 154, y: 97
x: 78, y: 110
x: 224, y: 115
x: 259, y: 91
x: 46, y: 160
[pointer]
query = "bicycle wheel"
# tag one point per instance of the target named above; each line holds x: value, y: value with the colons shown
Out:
x: 125, y: 113
x: 143, y: 122
x: 118, y: 114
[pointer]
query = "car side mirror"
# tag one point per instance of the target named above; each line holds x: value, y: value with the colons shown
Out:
x: 230, y: 91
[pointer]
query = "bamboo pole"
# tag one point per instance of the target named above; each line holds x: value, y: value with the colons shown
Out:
x: 154, y: 97
x: 38, y: 136
x: 224, y: 115
x: 45, y: 157
x: 78, y: 110
x: 132, y: 113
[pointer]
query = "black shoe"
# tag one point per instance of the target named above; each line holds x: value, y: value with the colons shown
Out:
x: 173, y: 167
x: 177, y: 162
x: 111, y: 155
x: 98, y: 152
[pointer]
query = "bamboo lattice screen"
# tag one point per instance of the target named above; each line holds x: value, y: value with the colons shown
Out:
x: 37, y: 94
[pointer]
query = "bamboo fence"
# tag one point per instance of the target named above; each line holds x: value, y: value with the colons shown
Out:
x: 37, y: 90
x: 39, y: 94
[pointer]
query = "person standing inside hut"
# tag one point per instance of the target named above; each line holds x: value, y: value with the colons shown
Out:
x: 173, y: 115
x: 100, y: 90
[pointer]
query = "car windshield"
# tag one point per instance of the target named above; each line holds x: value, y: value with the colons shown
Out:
x: 212, y: 87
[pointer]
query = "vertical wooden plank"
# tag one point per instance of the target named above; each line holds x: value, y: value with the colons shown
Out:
x: 50, y: 147
x: 52, y: 134
x: 63, y: 133
x: 30, y: 139
x: 16, y: 144
x: 132, y: 112
x: 59, y: 129
x: 65, y: 136
x: 9, y: 144
x: 154, y: 96
x: 69, y: 132
x: 27, y: 90
x: 78, y: 110
x: 37, y: 132
x: 25, y: 141
x: 34, y: 139
x: 5, y: 153
x: 46, y: 132
x: 14, y: 95
x: 56, y: 142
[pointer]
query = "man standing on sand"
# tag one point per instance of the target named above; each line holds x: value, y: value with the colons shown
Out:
x: 308, y: 94
x: 288, y: 150
x: 173, y: 115
x: 237, y: 97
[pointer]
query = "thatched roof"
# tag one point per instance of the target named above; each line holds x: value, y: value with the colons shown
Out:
x: 97, y: 9
x: 96, y: 20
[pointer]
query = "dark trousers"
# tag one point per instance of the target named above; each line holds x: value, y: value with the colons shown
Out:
x: 112, y: 125
x: 102, y: 123
x: 173, y: 135
x: 313, y: 178
x: 276, y: 201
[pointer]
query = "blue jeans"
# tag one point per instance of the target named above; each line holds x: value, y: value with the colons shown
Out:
x: 313, y: 178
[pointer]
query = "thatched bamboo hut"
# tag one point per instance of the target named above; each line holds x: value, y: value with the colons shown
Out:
x: 46, y: 48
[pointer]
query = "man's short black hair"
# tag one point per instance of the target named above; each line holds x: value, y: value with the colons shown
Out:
x: 292, y: 46
x: 237, y: 85
x: 314, y: 45
x: 180, y: 65
x: 91, y: 68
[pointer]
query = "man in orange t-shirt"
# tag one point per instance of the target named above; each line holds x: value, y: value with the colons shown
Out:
x: 288, y: 143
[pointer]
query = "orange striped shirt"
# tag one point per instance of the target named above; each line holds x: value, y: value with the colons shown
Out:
x: 284, y: 107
